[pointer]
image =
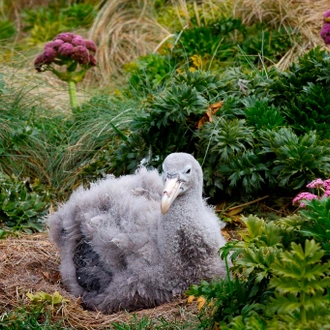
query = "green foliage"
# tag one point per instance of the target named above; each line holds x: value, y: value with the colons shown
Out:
x: 303, y: 93
x: 298, y: 159
x: 285, y: 277
x: 56, y: 150
x: 44, y: 23
x: 224, y: 301
x: 316, y: 222
x: 228, y: 41
x: 222, y: 144
x: 22, y: 205
x: 7, y: 30
x: 267, y: 44
x: 218, y: 38
x: 28, y: 318
x: 301, y: 282
x: 225, y: 138
x: 167, y: 121
x: 149, y: 73
x: 261, y: 114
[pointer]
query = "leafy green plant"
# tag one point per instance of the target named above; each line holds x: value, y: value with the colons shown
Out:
x: 281, y: 277
x: 228, y: 41
x: 166, y: 123
x: 7, y: 30
x: 309, y: 110
x: 219, y: 143
x: 261, y: 114
x: 302, y: 92
x: 216, y: 39
x: 44, y: 23
x: 316, y: 222
x: 301, y: 282
x: 149, y: 73
x: 22, y: 205
x: 298, y: 159
x: 37, y: 315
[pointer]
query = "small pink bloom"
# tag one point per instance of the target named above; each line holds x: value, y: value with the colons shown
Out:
x: 66, y: 49
x: 57, y: 43
x: 325, y: 33
x: 90, y: 45
x: 50, y: 55
x: 39, y: 62
x: 317, y: 183
x: 326, y: 193
x: 78, y: 41
x: 92, y: 60
x: 80, y: 54
x: 303, y: 196
x: 66, y: 36
x: 326, y: 184
x: 326, y: 14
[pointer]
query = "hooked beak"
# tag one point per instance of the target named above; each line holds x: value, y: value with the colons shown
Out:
x: 170, y: 192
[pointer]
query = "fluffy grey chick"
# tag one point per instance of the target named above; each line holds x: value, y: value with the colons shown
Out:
x: 138, y: 240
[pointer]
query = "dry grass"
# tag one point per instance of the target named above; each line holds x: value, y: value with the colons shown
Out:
x: 29, y: 263
x: 304, y: 16
x: 123, y: 31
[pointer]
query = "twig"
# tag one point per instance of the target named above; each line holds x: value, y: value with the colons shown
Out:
x: 245, y: 204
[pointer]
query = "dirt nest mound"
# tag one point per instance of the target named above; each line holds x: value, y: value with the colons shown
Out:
x: 30, y: 263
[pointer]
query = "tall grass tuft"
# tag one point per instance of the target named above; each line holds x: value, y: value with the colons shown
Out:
x: 55, y: 148
x: 123, y: 31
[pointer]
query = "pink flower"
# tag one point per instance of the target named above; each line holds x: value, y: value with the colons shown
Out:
x: 325, y: 33
x: 78, y: 41
x: 92, y: 60
x: 50, y: 55
x: 326, y: 17
x: 303, y: 196
x: 326, y: 193
x: 317, y: 183
x: 66, y: 49
x: 39, y: 62
x: 326, y: 184
x: 90, y: 45
x: 81, y: 54
x: 66, y: 36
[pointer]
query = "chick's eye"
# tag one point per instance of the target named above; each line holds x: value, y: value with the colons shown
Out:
x: 188, y: 171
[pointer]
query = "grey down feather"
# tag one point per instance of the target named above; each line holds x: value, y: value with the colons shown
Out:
x: 138, y: 240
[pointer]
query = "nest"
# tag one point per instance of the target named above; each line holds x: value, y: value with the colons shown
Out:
x: 30, y: 263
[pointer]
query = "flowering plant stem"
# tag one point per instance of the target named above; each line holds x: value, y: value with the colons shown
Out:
x: 73, y: 94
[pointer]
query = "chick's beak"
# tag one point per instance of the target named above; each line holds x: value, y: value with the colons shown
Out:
x: 170, y: 192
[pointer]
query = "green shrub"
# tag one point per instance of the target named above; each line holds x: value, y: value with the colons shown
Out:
x: 44, y: 23
x: 300, y: 281
x: 261, y: 114
x: 303, y: 93
x: 22, y: 204
x: 7, y: 30
x: 298, y: 159
x: 56, y: 150
x: 149, y: 73
x: 167, y: 121
x: 279, y: 280
x: 316, y: 222
x: 227, y: 41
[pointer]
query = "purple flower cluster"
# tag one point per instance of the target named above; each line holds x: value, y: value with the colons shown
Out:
x: 65, y: 48
x: 321, y: 186
x: 325, y: 31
